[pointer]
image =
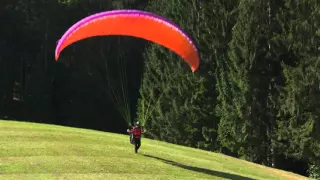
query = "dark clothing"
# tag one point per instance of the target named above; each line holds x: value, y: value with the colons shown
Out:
x: 137, y: 144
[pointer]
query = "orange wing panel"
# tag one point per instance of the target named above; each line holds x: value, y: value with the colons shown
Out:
x: 141, y: 26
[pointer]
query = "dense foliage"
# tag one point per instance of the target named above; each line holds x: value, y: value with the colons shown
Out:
x: 256, y: 94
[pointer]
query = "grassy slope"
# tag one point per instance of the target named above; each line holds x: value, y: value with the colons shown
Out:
x: 38, y: 151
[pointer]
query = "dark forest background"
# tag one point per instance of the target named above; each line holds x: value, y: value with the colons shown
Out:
x: 256, y: 95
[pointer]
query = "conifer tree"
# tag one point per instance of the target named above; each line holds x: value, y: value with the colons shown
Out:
x: 298, y: 125
x: 176, y: 104
x: 248, y: 86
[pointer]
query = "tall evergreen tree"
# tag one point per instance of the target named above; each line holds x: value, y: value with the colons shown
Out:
x: 247, y: 86
x: 298, y: 130
x: 175, y: 103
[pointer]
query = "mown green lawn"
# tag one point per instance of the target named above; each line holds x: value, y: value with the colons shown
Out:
x: 39, y: 151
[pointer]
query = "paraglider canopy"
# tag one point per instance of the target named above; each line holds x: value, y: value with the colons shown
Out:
x: 134, y: 23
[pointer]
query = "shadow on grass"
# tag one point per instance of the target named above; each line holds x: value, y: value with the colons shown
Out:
x: 202, y: 170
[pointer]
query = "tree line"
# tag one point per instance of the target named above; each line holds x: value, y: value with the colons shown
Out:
x: 255, y: 95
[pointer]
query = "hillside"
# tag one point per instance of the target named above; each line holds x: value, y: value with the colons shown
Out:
x: 39, y: 151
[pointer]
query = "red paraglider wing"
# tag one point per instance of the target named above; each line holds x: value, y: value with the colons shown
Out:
x: 134, y: 23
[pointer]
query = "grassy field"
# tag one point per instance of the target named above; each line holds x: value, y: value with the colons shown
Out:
x: 38, y: 151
